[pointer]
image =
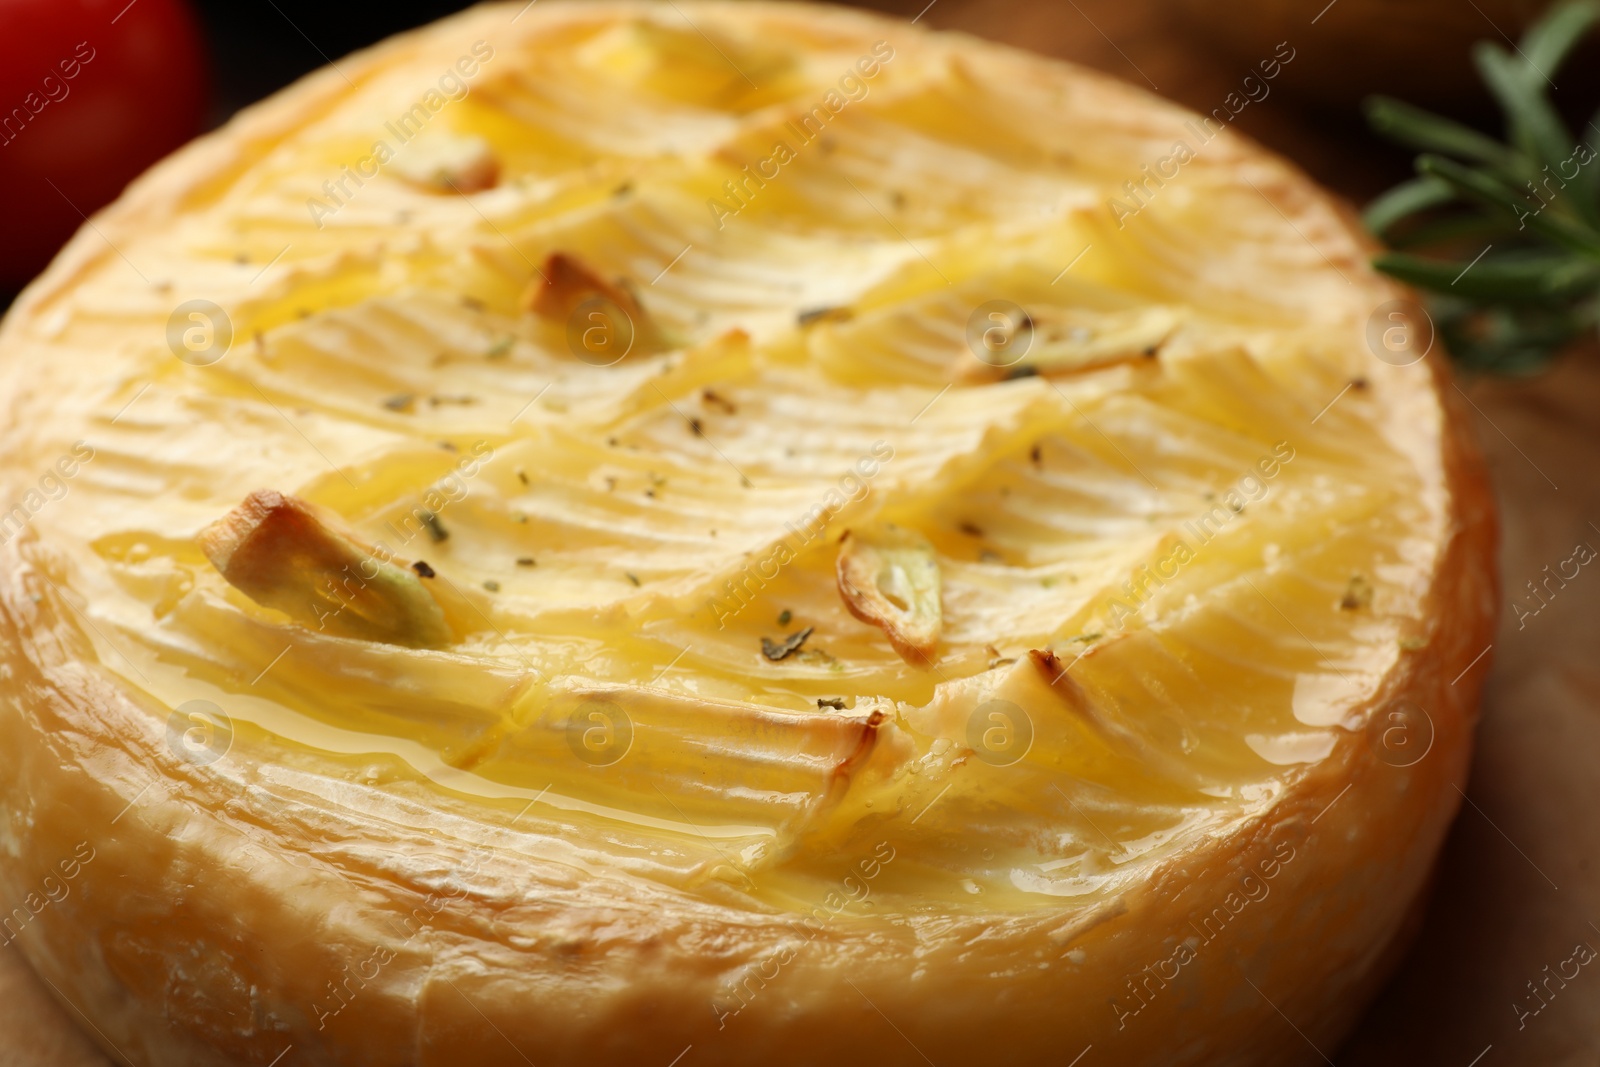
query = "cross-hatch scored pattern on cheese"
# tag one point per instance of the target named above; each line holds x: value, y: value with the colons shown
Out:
x: 827, y: 323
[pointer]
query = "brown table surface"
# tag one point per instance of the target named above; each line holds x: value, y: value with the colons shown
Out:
x: 1516, y: 889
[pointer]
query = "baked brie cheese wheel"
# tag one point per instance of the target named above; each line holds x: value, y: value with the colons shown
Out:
x: 715, y: 534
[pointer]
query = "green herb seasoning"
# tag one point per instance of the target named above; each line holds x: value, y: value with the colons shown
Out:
x: 1506, y: 236
x: 435, y: 528
x: 781, y: 650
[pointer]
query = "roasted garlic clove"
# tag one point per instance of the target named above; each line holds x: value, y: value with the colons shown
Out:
x: 604, y: 320
x: 566, y: 282
x: 888, y: 577
x: 447, y: 163
x: 282, y: 553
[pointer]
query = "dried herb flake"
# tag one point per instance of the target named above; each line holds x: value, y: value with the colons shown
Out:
x: 436, y: 528
x: 1357, y: 595
x: 830, y: 314
x: 782, y: 650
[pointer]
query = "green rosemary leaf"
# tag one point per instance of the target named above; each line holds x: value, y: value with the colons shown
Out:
x: 1418, y: 271
x: 1475, y: 185
x: 1516, y: 339
x: 1584, y: 187
x: 1532, y: 205
x: 1549, y: 41
x: 1412, y: 126
x: 1493, y: 193
x: 1454, y: 233
x: 1520, y: 278
x: 1519, y: 89
x: 1405, y: 199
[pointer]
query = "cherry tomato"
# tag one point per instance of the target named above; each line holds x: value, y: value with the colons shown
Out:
x: 91, y: 93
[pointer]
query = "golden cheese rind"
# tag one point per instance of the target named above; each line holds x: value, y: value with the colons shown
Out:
x: 1136, y: 802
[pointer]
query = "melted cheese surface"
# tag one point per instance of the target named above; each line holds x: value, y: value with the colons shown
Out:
x: 1217, y: 549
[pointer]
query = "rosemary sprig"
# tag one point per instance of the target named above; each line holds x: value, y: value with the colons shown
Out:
x: 1505, y: 235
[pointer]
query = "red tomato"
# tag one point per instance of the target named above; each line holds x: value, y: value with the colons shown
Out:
x: 91, y: 93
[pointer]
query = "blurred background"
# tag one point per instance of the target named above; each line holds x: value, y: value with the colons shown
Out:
x: 162, y: 70
x: 93, y: 91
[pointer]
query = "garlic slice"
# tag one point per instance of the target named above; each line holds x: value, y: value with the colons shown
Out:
x: 447, y: 163
x: 1070, y: 342
x: 282, y: 553
x: 888, y: 577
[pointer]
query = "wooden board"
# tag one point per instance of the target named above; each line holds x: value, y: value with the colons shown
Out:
x: 1519, y: 884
